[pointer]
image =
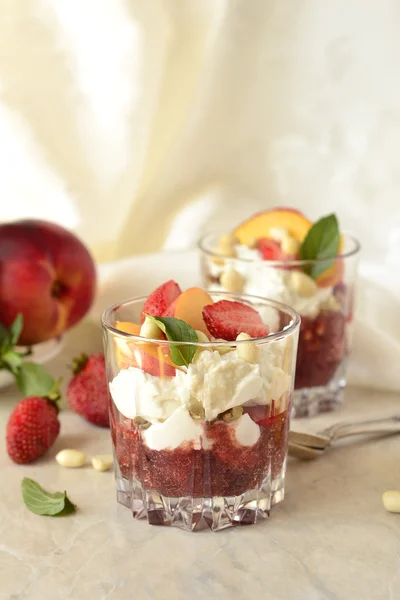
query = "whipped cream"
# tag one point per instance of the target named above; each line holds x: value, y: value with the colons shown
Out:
x: 221, y: 382
x: 213, y: 381
x: 247, y: 431
x: 274, y: 283
x: 139, y: 394
x: 176, y: 430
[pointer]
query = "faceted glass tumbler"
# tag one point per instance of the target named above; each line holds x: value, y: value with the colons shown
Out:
x: 326, y: 329
x: 180, y: 468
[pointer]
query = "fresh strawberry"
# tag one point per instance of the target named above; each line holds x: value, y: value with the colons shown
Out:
x: 87, y: 391
x: 226, y: 319
x: 270, y: 249
x: 32, y: 428
x: 159, y: 300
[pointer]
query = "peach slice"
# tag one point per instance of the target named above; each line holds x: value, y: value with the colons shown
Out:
x: 331, y: 276
x: 152, y: 358
x: 334, y: 274
x: 128, y: 327
x: 189, y: 307
x: 259, y: 225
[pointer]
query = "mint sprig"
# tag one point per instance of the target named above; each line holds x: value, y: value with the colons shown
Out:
x: 31, y: 378
x: 177, y: 330
x: 321, y: 243
x: 41, y: 502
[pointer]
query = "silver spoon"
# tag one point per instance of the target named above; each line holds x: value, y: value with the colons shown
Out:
x: 308, y: 446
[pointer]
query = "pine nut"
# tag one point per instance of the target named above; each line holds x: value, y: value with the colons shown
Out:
x: 278, y: 233
x: 391, y: 501
x: 331, y: 304
x: 71, y: 459
x: 303, y: 284
x: 202, y: 339
x: 150, y: 330
x: 102, y: 462
x: 227, y: 241
x: 232, y: 281
x: 247, y: 352
x: 289, y: 245
x: 228, y: 252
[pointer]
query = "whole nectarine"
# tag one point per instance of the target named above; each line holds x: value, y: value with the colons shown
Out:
x: 47, y: 274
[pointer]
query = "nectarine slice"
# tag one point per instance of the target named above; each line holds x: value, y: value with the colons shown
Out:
x: 189, y: 307
x: 152, y: 358
x: 259, y: 225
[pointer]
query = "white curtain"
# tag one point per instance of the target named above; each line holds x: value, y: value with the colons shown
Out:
x: 139, y: 123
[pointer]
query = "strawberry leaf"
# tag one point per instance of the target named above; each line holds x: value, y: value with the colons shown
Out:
x: 41, y: 502
x: 11, y: 361
x: 177, y: 330
x: 321, y: 243
x: 15, y: 329
x: 34, y: 380
x: 4, y: 338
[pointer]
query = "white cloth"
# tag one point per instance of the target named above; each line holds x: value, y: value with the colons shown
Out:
x: 141, y: 123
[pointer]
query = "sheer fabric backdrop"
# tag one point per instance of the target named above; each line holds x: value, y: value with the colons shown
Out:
x: 141, y: 123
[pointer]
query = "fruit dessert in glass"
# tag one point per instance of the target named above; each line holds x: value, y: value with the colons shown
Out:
x: 281, y: 255
x: 200, y: 401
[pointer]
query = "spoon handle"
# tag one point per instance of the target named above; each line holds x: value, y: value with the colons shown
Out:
x: 385, y: 425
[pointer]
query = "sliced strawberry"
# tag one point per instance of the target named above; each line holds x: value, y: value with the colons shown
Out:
x: 159, y: 300
x: 150, y: 364
x: 226, y: 319
x: 170, y: 312
x: 270, y: 249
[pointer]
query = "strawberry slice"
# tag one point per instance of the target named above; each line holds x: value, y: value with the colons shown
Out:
x: 226, y: 319
x: 150, y: 364
x: 170, y: 312
x: 135, y: 357
x: 159, y: 300
x: 270, y: 249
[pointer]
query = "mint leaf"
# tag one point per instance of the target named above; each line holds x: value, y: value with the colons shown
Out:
x: 41, y: 502
x: 177, y: 330
x: 34, y: 380
x: 16, y: 328
x: 321, y: 243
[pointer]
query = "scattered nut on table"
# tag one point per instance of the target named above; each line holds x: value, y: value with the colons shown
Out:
x: 102, y: 462
x: 391, y: 500
x: 70, y: 458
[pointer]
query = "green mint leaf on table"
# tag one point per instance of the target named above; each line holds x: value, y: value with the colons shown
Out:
x: 41, y: 502
x: 321, y: 243
x: 34, y: 380
x: 177, y: 330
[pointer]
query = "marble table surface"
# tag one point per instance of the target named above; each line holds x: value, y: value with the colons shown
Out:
x: 330, y: 539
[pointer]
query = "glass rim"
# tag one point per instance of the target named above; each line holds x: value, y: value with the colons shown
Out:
x: 275, y: 263
x: 283, y: 333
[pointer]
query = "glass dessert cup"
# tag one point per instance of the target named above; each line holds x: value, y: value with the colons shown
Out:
x: 217, y: 458
x: 326, y: 311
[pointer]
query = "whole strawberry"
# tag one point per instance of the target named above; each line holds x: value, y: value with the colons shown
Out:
x: 32, y: 428
x: 87, y: 391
